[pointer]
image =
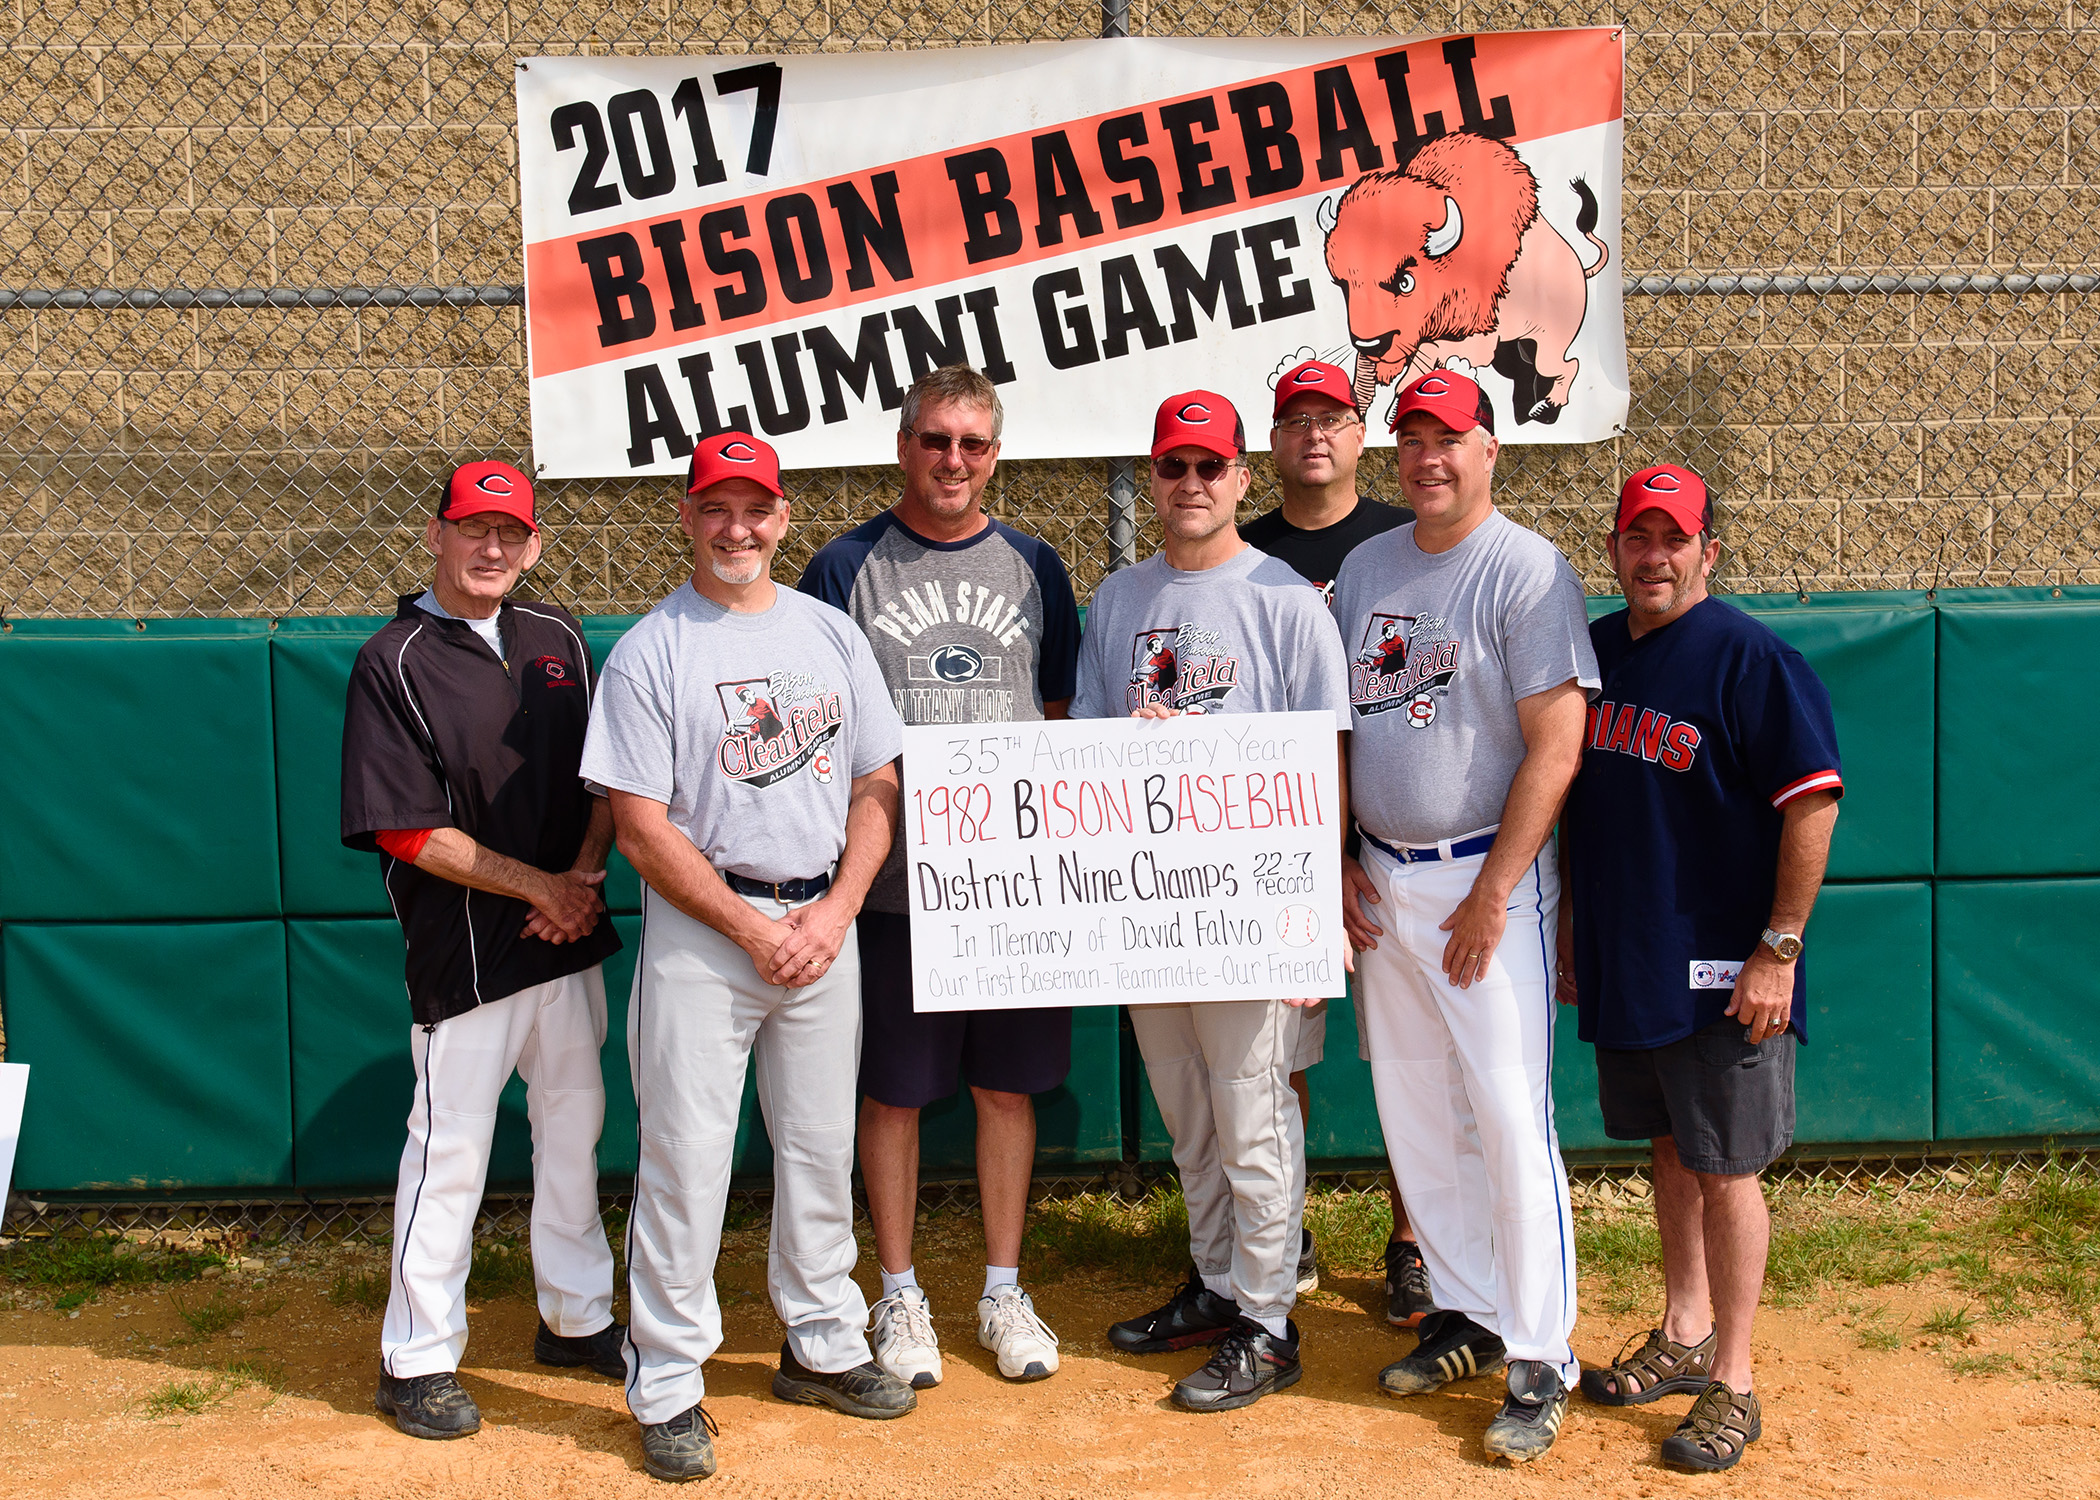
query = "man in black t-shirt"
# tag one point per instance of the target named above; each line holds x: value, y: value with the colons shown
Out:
x: 1315, y: 438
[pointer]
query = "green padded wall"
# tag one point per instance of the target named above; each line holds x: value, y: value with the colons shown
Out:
x: 1077, y: 1125
x: 2016, y: 744
x: 2015, y: 1053
x: 1866, y: 1074
x: 310, y: 663
x: 623, y: 888
x: 158, y: 1055
x: 148, y: 752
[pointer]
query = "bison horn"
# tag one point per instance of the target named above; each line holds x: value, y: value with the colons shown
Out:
x: 1444, y: 240
x: 1325, y: 215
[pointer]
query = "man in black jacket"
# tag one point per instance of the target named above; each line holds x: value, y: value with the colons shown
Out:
x: 461, y: 742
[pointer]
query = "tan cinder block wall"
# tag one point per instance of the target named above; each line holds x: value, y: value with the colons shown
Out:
x: 279, y: 460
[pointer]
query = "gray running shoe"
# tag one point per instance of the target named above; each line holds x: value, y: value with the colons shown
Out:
x: 428, y: 1406
x: 1531, y: 1414
x: 682, y: 1448
x: 866, y: 1390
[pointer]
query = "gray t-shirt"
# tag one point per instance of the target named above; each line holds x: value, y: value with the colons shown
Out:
x: 1441, y: 647
x: 979, y: 631
x: 1244, y: 637
x: 750, y: 727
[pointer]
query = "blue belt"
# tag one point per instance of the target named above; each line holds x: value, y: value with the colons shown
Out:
x: 786, y: 892
x: 1408, y: 854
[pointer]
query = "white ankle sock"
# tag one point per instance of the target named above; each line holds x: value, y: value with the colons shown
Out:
x: 998, y: 1276
x: 1278, y: 1327
x: 1218, y: 1286
x: 904, y: 1278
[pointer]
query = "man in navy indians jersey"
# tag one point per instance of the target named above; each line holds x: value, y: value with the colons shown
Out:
x: 1696, y: 837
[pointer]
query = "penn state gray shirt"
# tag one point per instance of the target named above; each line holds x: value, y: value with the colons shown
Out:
x: 1244, y: 637
x: 978, y: 631
x: 749, y: 727
x: 1441, y: 647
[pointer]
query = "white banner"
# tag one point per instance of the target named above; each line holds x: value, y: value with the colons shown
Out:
x: 782, y: 244
x: 1123, y: 861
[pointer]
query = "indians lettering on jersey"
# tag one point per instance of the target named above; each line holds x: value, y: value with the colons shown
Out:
x: 1629, y: 729
x: 1405, y: 662
x: 1184, y: 667
x: 952, y: 682
x: 774, y: 726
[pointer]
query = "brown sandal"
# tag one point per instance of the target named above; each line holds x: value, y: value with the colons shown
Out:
x: 1659, y: 1368
x: 1720, y: 1425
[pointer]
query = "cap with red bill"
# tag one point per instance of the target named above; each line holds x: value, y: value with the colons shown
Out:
x: 1198, y: 419
x: 1315, y: 378
x: 1448, y: 396
x: 487, y: 487
x: 733, y: 455
x: 1670, y: 488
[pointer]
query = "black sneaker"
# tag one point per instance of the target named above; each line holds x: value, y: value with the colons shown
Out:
x: 1308, y: 1264
x: 428, y: 1406
x: 1531, y: 1414
x: 1247, y: 1365
x: 604, y: 1351
x: 1407, y: 1299
x: 1451, y: 1347
x: 682, y: 1448
x: 866, y: 1390
x: 1195, y: 1315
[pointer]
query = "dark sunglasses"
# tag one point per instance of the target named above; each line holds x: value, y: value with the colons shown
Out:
x: 1209, y: 470
x: 940, y: 442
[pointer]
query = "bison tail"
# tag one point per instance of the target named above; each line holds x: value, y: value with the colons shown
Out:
x: 1586, y: 223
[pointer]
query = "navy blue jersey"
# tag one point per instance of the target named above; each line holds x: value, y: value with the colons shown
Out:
x: 1704, y: 730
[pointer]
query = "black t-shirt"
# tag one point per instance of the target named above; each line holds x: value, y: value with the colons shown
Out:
x: 1317, y: 555
x: 439, y: 733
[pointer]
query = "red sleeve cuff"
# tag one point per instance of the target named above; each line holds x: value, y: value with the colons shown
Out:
x: 1816, y: 781
x: 403, y: 843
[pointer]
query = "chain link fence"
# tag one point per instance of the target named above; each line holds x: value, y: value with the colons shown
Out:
x: 260, y: 266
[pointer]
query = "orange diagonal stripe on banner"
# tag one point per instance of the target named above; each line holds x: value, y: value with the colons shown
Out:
x: 1555, y: 82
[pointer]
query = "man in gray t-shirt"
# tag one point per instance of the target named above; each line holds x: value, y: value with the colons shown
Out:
x: 1469, y: 674
x: 972, y: 622
x: 1214, y: 626
x: 746, y: 742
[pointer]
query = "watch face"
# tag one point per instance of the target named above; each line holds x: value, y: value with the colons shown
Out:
x: 1788, y: 946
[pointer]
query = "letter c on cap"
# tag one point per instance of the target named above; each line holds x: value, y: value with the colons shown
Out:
x: 1309, y: 377
x: 493, y: 484
x: 1663, y: 484
x: 1434, y: 385
x: 1195, y: 413
x: 740, y: 453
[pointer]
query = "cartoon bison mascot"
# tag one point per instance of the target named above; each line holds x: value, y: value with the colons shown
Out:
x: 1448, y: 258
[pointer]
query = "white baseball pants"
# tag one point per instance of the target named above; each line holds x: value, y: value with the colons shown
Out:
x: 699, y: 1014
x: 549, y: 1034
x: 1464, y: 1079
x: 1221, y: 1072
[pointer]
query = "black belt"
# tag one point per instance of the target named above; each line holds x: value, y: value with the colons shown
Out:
x: 1411, y: 854
x: 786, y: 892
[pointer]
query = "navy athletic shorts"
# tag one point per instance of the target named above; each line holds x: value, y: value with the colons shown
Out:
x: 909, y: 1061
x: 1727, y: 1105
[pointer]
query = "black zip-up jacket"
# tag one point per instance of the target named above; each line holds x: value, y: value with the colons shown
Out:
x: 439, y: 733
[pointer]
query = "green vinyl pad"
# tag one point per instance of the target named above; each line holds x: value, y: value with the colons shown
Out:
x: 2014, y: 1035
x: 2016, y: 739
x: 158, y: 1055
x: 310, y: 663
x: 140, y: 774
x: 1078, y: 1124
x: 1866, y: 1073
x: 623, y: 888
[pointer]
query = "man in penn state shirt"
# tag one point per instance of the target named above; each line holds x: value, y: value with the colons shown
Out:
x: 1696, y: 836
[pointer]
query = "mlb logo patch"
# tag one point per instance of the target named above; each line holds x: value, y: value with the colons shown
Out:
x: 1715, y: 973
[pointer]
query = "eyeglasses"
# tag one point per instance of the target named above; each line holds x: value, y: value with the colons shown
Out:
x: 939, y: 442
x: 510, y: 533
x: 1327, y: 423
x: 1209, y: 470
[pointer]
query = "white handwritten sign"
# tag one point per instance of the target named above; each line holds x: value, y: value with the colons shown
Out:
x: 1123, y: 861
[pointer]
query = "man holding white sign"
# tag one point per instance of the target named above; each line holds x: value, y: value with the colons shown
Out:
x: 1213, y: 626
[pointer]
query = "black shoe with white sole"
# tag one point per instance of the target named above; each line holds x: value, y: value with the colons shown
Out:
x: 428, y: 1406
x: 1308, y: 1263
x: 1451, y: 1347
x: 1247, y: 1365
x: 1194, y: 1315
x: 1531, y: 1414
x: 866, y: 1390
x: 1407, y: 1299
x: 604, y: 1351
x: 680, y: 1449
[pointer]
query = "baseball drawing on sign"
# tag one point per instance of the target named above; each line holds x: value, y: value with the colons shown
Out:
x: 774, y: 726
x: 1448, y: 258
x: 1184, y: 667
x: 1405, y: 662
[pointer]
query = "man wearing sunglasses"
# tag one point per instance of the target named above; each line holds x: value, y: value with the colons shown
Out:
x: 1247, y: 636
x: 461, y: 740
x: 971, y: 622
x: 1316, y: 436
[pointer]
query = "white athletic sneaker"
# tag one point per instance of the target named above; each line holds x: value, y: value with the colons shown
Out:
x: 1007, y: 1325
x: 905, y: 1346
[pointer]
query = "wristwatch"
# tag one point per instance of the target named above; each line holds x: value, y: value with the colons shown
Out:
x: 1785, y: 946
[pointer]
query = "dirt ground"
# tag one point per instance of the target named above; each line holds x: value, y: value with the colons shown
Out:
x: 78, y: 1406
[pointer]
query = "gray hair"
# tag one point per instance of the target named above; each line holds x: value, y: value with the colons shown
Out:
x: 957, y: 383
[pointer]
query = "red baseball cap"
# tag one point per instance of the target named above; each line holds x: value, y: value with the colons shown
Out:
x: 487, y: 486
x: 1199, y: 419
x: 733, y: 455
x: 1320, y: 379
x: 1448, y: 396
x: 1672, y: 489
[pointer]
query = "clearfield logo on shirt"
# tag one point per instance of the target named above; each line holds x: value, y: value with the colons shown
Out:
x: 775, y: 725
x: 1404, y: 662
x: 1184, y: 666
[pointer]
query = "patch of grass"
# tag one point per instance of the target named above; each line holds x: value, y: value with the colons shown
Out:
x: 256, y: 1372
x: 1865, y: 1249
x: 1948, y: 1322
x: 1870, y: 1326
x: 366, y: 1290
x: 208, y: 1319
x: 188, y: 1398
x: 72, y: 1262
x: 1145, y: 1242
x: 1350, y: 1229
x: 1980, y: 1364
x: 74, y: 1298
x: 1618, y: 1245
x: 501, y: 1268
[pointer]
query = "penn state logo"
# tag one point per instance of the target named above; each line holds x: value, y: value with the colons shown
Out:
x: 956, y: 664
x: 1195, y: 413
x: 494, y: 484
x: 740, y: 452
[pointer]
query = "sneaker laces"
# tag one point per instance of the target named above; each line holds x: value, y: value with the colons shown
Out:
x: 1411, y: 1272
x: 910, y: 1318
x: 1011, y: 1313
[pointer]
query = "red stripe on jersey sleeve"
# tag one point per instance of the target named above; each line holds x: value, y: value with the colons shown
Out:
x: 1817, y: 781
x: 405, y: 844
